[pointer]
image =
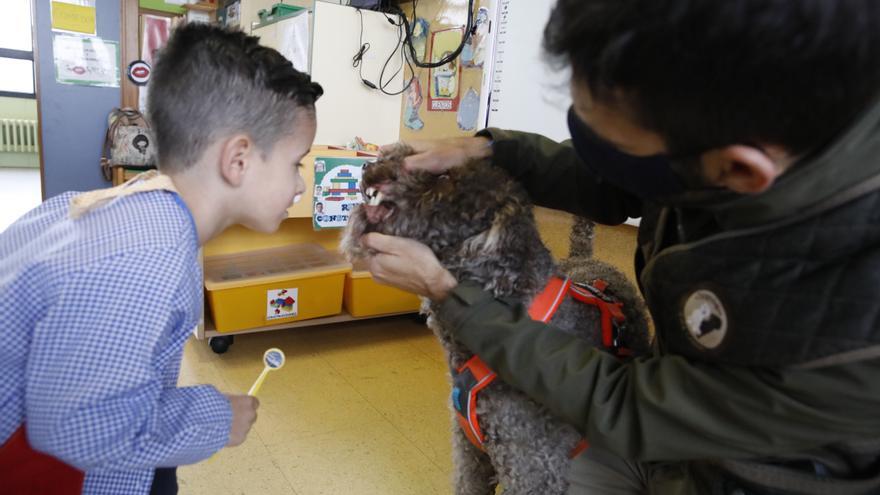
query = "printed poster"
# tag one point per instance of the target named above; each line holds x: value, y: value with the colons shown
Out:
x: 443, y: 81
x: 86, y: 61
x: 337, y: 190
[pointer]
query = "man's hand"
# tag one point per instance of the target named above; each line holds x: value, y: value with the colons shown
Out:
x: 440, y: 155
x: 244, y: 414
x: 408, y: 265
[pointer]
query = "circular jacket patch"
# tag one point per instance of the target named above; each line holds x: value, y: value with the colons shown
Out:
x: 705, y: 319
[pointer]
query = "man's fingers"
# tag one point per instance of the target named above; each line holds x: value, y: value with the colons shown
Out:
x: 420, y: 146
x: 378, y: 242
x: 422, y: 161
x: 417, y: 146
x: 386, y: 148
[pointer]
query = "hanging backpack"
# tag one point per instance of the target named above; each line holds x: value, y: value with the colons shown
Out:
x: 129, y: 142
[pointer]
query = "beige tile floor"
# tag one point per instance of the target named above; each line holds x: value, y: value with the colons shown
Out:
x: 359, y: 408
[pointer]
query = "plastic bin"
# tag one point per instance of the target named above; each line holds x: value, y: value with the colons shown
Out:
x: 365, y: 297
x: 274, y: 286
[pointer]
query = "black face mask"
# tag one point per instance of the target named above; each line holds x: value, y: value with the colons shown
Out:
x: 648, y: 177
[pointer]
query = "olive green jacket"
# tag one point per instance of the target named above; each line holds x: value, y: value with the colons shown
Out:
x: 685, y: 414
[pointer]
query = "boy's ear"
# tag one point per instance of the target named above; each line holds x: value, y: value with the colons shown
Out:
x: 741, y: 168
x: 236, y: 155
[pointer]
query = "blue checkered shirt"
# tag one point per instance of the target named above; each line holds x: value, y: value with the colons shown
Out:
x: 94, y: 314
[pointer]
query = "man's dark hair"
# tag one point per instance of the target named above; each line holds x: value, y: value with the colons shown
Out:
x: 709, y: 73
x: 211, y: 82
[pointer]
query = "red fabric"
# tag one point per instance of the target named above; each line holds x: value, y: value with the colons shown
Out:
x: 24, y: 471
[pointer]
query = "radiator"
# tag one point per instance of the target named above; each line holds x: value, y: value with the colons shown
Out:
x: 18, y: 136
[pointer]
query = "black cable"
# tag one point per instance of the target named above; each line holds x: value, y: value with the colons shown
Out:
x: 404, y: 26
x: 357, y: 59
x: 445, y: 60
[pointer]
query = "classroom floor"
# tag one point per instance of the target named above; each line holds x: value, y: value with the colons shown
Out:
x: 358, y: 408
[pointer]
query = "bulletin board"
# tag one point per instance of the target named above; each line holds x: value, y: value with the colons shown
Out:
x: 418, y: 121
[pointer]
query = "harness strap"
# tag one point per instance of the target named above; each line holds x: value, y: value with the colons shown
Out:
x: 611, y: 311
x: 545, y: 304
x: 474, y: 375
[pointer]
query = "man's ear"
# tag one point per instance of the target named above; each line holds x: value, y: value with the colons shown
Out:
x: 741, y: 168
x: 236, y: 155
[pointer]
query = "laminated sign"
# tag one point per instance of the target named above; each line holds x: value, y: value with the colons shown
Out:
x: 337, y: 190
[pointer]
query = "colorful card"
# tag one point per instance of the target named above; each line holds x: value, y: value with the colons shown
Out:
x: 337, y: 190
x: 281, y: 303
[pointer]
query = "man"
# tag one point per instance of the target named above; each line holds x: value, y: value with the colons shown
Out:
x: 746, y: 135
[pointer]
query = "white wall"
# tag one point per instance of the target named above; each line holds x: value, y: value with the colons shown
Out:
x: 348, y: 108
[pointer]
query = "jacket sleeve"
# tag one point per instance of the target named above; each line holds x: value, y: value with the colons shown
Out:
x: 94, y: 395
x: 555, y: 177
x: 666, y: 407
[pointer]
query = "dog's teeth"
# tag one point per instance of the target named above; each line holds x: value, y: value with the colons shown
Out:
x: 371, y: 191
x: 379, y: 197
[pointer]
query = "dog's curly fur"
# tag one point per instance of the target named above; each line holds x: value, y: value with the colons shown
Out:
x: 480, y: 225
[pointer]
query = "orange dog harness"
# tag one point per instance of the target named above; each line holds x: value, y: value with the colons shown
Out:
x: 474, y: 375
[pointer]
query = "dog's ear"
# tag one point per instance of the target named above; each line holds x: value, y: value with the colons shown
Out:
x: 499, y: 234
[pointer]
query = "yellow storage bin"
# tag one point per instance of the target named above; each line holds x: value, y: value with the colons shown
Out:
x: 274, y: 286
x: 365, y: 297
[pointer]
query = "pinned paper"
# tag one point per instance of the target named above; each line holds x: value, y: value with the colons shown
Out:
x: 443, y: 81
x: 474, y: 52
x: 86, y: 61
x: 412, y: 102
x: 74, y: 17
x: 469, y: 110
x: 420, y: 37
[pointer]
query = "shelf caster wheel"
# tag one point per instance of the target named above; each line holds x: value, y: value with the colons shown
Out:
x: 220, y: 344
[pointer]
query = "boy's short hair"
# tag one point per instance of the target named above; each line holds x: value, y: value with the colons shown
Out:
x: 706, y: 73
x: 210, y: 82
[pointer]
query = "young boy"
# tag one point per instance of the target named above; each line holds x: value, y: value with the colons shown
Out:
x: 99, y: 293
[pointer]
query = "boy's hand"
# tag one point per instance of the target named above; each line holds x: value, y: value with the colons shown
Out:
x: 244, y: 414
x: 408, y: 265
x: 440, y: 155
